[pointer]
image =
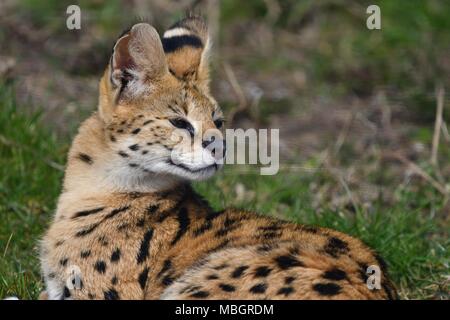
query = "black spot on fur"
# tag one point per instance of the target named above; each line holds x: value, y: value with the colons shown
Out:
x: 390, y: 291
x: 289, y: 280
x: 287, y: 262
x: 230, y: 222
x: 266, y: 247
x: 111, y: 294
x: 112, y: 138
x: 271, y: 227
x: 163, y: 215
x: 115, y: 256
x: 85, y: 158
x: 133, y: 165
x: 123, y: 226
x: 285, y: 291
x: 238, y: 272
x: 229, y: 225
x: 166, y: 266
x: 335, y: 247
x: 203, y: 228
x: 103, y: 240
x: 63, y: 262
x: 87, y: 212
x: 116, y: 211
x: 310, y: 229
x: 174, y: 43
x: 147, y: 122
x: 327, y: 289
x: 134, y: 147
x: 171, y: 107
x: 140, y: 222
x: 85, y: 254
x: 85, y: 232
x: 136, y: 131
x: 294, y: 250
x: 59, y: 243
x: 227, y: 287
x: 100, y: 266
x: 200, y: 294
x: 212, y: 277
x: 114, y: 280
x: 167, y: 280
x: 221, y: 266
x: 334, y: 274
x: 123, y: 154
x: 259, y: 288
x: 271, y: 235
x: 145, y: 246
x: 190, y: 289
x: 152, y: 209
x: 262, y: 271
x: 142, y: 279
x: 183, y: 221
x: 221, y: 245
x: 363, y: 272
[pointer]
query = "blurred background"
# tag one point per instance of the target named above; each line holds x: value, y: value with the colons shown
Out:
x: 362, y: 114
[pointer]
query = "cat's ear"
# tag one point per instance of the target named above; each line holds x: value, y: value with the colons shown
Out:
x: 137, y: 60
x: 186, y: 45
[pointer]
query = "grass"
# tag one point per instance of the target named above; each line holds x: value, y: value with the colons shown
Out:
x: 406, y: 57
x: 408, y: 234
x: 29, y: 186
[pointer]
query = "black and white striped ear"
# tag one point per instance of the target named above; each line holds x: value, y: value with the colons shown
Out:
x: 138, y: 58
x: 186, y: 45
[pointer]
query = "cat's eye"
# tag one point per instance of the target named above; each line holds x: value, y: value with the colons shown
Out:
x: 219, y: 123
x: 181, y: 123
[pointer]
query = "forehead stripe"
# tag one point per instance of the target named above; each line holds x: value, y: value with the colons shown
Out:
x: 174, y: 43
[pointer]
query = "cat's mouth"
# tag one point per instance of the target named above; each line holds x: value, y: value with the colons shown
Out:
x: 213, y: 166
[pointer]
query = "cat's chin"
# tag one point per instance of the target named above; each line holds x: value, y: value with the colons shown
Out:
x: 184, y: 172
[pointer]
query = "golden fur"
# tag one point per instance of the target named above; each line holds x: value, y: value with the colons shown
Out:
x: 129, y: 222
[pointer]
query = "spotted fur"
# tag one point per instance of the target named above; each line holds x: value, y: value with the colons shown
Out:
x: 129, y: 225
